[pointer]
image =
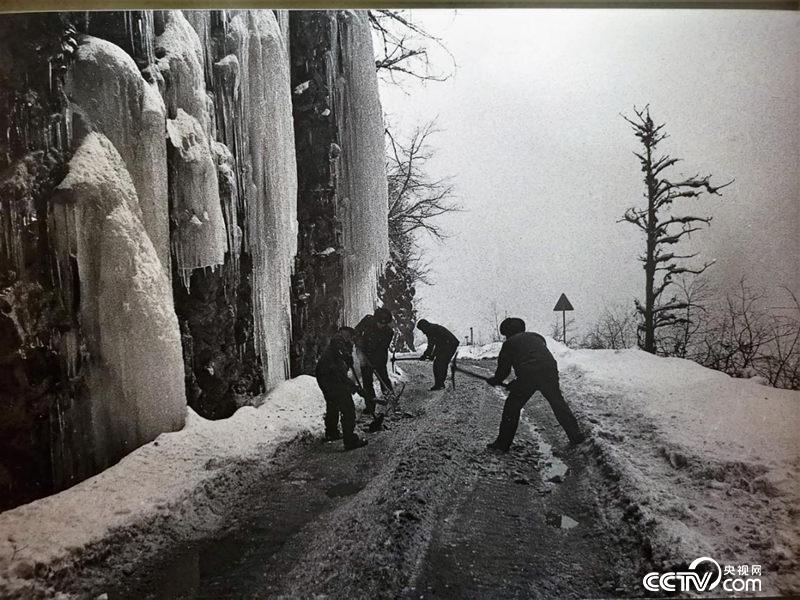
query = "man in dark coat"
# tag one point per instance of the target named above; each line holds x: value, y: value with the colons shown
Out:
x: 442, y: 345
x: 374, y: 335
x: 337, y: 388
x: 536, y: 370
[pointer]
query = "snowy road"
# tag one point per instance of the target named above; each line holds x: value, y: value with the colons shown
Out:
x: 423, y: 511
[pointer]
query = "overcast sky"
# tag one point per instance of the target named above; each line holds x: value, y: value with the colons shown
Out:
x: 543, y: 165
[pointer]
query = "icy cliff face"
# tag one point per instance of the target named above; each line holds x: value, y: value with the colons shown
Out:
x: 135, y: 368
x: 257, y: 123
x: 106, y: 89
x: 362, y: 186
x: 171, y: 238
x: 342, y: 199
x: 199, y: 237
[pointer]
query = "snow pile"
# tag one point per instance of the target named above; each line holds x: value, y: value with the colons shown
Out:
x: 707, y: 465
x: 159, y: 479
x: 133, y: 354
x: 480, y: 352
x: 106, y: 90
x: 361, y: 184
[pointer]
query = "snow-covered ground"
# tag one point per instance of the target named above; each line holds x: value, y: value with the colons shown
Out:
x: 169, y: 476
x: 703, y: 464
x: 708, y: 465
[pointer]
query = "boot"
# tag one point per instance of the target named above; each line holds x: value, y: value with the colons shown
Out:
x: 496, y: 446
x: 354, y: 444
x: 332, y: 436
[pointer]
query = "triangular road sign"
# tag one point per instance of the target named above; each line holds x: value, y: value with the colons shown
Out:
x: 563, y: 303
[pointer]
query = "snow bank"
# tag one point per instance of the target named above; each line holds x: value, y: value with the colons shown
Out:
x: 158, y: 479
x: 480, y: 352
x: 704, y: 464
x: 702, y: 409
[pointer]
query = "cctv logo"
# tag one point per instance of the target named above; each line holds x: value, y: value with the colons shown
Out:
x: 692, y: 580
x: 684, y: 581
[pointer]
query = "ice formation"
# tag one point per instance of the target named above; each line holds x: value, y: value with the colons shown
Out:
x: 106, y: 89
x: 256, y: 122
x: 135, y: 366
x: 199, y: 236
x: 185, y: 151
x: 362, y: 187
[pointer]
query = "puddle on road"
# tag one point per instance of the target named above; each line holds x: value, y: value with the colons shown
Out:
x: 346, y: 488
x: 560, y: 521
x: 554, y: 469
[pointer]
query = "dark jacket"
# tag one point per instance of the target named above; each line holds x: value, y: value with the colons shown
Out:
x: 372, y: 339
x: 439, y: 338
x: 334, y: 364
x: 527, y: 353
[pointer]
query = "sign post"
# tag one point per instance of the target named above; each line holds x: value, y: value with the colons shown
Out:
x: 563, y: 305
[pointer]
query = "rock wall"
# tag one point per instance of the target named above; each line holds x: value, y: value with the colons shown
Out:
x: 190, y: 203
x: 342, y: 197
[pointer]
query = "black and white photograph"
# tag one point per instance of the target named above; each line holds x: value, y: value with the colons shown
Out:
x: 374, y: 302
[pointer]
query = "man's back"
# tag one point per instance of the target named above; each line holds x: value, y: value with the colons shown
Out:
x: 336, y: 360
x: 526, y: 351
x: 440, y: 335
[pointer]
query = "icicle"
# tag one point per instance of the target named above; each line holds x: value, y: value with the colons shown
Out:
x: 361, y: 176
x: 256, y: 124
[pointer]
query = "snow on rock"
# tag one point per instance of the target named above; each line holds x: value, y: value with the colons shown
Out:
x: 256, y: 121
x: 362, y: 187
x: 157, y: 484
x: 133, y: 347
x: 199, y: 238
x: 106, y: 89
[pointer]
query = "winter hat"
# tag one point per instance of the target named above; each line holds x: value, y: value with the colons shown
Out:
x: 512, y: 326
x: 422, y: 324
x: 383, y: 315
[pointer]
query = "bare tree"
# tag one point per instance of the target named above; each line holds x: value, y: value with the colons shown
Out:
x: 677, y: 340
x: 614, y: 330
x: 662, y: 229
x: 415, y: 199
x: 737, y: 333
x: 402, y: 47
x: 492, y: 321
x: 779, y: 362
